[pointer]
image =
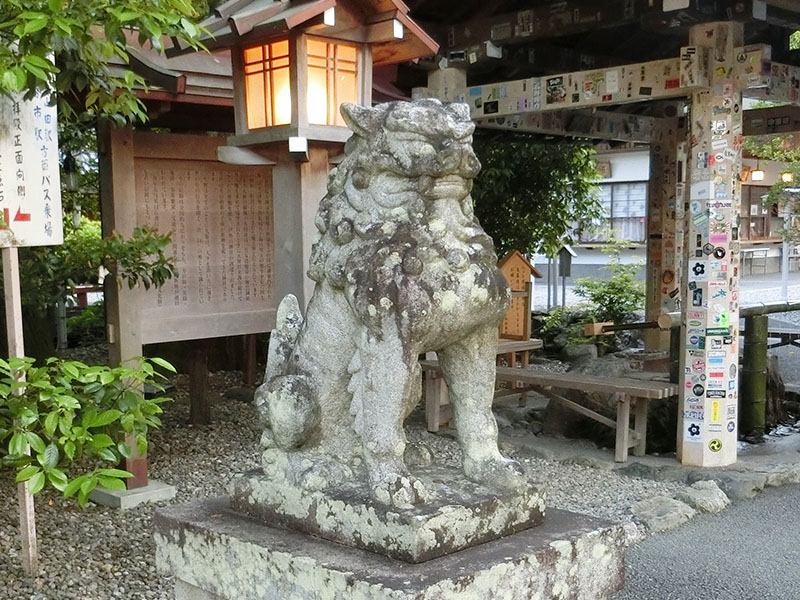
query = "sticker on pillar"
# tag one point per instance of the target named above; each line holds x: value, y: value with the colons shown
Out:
x: 693, y: 415
x: 715, y: 394
x: 697, y: 297
x: 715, y: 445
x: 698, y: 366
x: 692, y: 432
x: 731, y: 426
x: 716, y: 412
x: 702, y: 189
x: 696, y: 342
x: 732, y: 370
x: 698, y: 390
x: 708, y: 249
x: 698, y: 271
x: 719, y: 252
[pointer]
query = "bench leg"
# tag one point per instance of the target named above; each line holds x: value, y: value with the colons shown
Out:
x: 623, y: 422
x: 435, y: 397
x: 523, y: 397
x: 640, y: 426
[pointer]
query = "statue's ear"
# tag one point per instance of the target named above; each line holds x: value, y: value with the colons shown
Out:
x: 363, y: 120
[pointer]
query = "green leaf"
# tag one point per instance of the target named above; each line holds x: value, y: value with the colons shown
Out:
x: 106, y: 417
x: 18, y: 443
x: 111, y: 483
x: 51, y: 456
x: 124, y: 450
x: 101, y: 440
x: 50, y: 423
x: 57, y: 478
x: 35, y: 25
x: 55, y: 6
x: 36, y: 483
x: 70, y: 369
x: 10, y: 81
x: 69, y: 449
x: 162, y: 363
x: 114, y: 473
x: 27, y: 473
x: 141, y: 444
x: 74, y: 485
x: 35, y: 441
x: 40, y: 62
x: 108, y: 455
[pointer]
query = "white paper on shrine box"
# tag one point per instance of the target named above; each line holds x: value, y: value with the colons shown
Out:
x: 220, y: 218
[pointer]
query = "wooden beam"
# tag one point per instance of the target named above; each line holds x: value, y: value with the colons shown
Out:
x: 766, y: 121
x: 638, y: 82
x: 602, y: 125
x: 554, y: 19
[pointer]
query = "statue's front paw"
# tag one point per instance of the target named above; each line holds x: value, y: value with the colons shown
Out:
x: 400, y: 491
x: 497, y: 472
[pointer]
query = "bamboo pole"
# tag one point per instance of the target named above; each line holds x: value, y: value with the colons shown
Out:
x: 16, y: 348
x: 754, y: 374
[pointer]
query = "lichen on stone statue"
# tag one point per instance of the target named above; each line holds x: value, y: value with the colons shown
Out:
x: 402, y: 267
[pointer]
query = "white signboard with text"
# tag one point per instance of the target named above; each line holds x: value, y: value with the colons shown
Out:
x: 30, y: 190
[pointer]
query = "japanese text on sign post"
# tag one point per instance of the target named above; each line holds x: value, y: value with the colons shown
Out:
x: 30, y: 192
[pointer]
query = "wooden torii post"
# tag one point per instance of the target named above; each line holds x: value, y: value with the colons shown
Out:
x: 693, y: 254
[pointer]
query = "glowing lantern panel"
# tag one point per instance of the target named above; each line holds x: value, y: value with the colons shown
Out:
x: 267, y: 89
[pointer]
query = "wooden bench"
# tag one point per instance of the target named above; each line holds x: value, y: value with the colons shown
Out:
x: 631, y: 393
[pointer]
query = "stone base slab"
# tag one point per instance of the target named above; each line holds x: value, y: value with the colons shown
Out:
x: 217, y: 554
x: 154, y: 491
x: 460, y: 514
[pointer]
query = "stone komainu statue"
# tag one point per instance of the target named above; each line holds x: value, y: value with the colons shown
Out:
x: 401, y: 267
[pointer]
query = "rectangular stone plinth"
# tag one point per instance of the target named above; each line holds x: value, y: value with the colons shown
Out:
x: 460, y: 514
x: 218, y: 554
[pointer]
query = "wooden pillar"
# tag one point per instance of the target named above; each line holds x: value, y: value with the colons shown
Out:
x: 199, y: 398
x: 707, y: 411
x: 118, y: 210
x: 665, y: 226
x: 298, y: 188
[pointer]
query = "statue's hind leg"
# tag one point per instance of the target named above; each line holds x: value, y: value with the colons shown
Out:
x: 469, y: 369
x: 383, y: 387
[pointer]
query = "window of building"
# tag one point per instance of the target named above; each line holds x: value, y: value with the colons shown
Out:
x: 755, y: 223
x: 625, y: 211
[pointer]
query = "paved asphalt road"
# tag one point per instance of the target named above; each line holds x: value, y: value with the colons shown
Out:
x: 750, y: 551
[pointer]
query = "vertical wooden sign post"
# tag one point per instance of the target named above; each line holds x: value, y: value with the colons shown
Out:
x: 16, y: 348
x: 30, y: 206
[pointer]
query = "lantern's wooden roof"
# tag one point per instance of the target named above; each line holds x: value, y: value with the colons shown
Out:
x: 239, y: 22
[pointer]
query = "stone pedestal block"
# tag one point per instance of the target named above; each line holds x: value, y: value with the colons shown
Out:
x: 460, y: 514
x: 215, y: 553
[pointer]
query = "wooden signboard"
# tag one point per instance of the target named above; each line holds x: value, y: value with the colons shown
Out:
x: 220, y: 220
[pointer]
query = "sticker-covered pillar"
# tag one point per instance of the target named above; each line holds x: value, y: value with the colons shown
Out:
x: 665, y: 225
x: 707, y: 411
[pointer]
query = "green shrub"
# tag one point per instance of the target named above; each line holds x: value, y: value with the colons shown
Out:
x: 74, y: 418
x: 88, y: 326
x: 614, y: 299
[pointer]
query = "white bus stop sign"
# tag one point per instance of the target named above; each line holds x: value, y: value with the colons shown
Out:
x: 30, y: 190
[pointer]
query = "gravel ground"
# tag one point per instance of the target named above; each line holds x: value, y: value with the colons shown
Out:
x: 101, y: 553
